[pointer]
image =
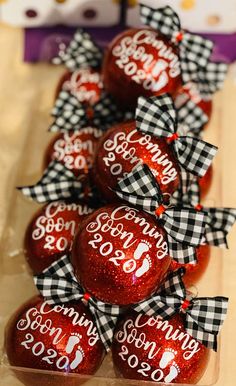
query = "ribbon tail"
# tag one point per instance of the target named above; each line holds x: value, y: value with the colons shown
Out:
x: 195, y: 155
x: 192, y: 117
x: 105, y: 324
x: 185, y: 225
x: 182, y: 253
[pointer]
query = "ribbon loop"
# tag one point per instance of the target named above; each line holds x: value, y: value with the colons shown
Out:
x: 71, y: 114
x: 219, y: 221
x: 81, y: 52
x: 157, y: 116
x: 203, y: 316
x: 57, y: 183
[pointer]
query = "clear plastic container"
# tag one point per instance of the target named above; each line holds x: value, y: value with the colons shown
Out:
x: 16, y: 281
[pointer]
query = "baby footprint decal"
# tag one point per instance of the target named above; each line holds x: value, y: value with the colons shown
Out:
x: 147, y: 263
x: 79, y: 355
x: 142, y: 248
x: 174, y: 372
x: 73, y: 340
x: 167, y: 357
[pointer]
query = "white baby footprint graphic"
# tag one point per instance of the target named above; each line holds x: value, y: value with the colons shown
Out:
x: 174, y: 372
x: 79, y: 355
x: 167, y: 357
x: 73, y: 340
x: 142, y: 247
x: 146, y: 265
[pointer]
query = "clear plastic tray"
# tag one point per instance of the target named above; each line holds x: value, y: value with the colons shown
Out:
x: 16, y: 281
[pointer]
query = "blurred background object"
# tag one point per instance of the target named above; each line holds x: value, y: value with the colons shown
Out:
x: 50, y: 24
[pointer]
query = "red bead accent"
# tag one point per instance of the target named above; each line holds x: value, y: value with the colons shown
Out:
x: 185, y: 304
x: 86, y: 296
x: 179, y: 37
x: 198, y: 207
x: 90, y: 113
x: 172, y: 138
x: 161, y: 209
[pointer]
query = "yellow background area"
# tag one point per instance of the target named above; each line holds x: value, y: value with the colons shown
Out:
x: 27, y: 90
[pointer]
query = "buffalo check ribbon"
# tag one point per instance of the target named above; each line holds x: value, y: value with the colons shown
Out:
x: 58, y: 285
x: 71, y: 114
x: 191, y: 117
x: 194, y: 50
x: 219, y: 221
x: 57, y: 183
x: 184, y: 226
x: 157, y: 116
x: 203, y: 316
x: 81, y: 52
x: 211, y: 78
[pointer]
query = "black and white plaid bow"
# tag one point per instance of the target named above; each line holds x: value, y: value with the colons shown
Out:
x: 81, y: 52
x: 57, y: 284
x: 157, y: 116
x: 203, y: 316
x: 183, y: 225
x: 191, y: 117
x: 57, y: 183
x: 211, y: 78
x: 219, y: 221
x: 194, y: 50
x: 71, y: 114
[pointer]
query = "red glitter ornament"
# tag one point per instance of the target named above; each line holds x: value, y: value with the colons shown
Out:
x: 74, y: 149
x: 120, y: 254
x: 140, y: 62
x: 194, y: 271
x: 61, y: 338
x: 152, y: 349
x: 122, y: 148
x: 205, y: 182
x: 51, y: 232
x: 85, y: 84
x: 190, y: 92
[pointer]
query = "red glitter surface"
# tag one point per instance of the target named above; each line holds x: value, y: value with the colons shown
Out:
x: 143, y: 350
x: 74, y: 149
x: 140, y: 62
x: 120, y: 254
x: 85, y: 84
x: 50, y: 233
x: 194, y: 271
x: 37, y: 339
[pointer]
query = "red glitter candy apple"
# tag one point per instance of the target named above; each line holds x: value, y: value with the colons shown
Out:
x: 190, y: 92
x: 74, y: 149
x: 140, y: 62
x: 120, y: 254
x: 85, y: 84
x: 152, y: 349
x: 61, y: 338
x: 194, y: 271
x: 51, y: 232
x: 122, y: 148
